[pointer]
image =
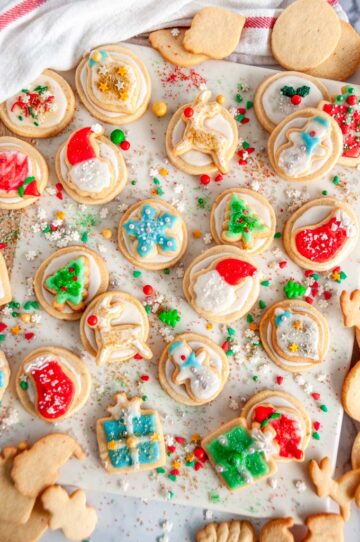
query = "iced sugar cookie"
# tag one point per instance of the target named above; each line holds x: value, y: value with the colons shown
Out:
x: 344, y: 108
x: 115, y: 327
x: 284, y: 93
x: 243, y: 218
x: 68, y: 280
x: 152, y: 234
x: 305, y: 145
x: 41, y: 109
x: 321, y: 234
x: 90, y: 167
x: 113, y: 84
x: 287, y: 416
x: 295, y: 335
x: 222, y: 284
x: 131, y: 439
x: 52, y: 383
x: 193, y: 369
x: 23, y: 173
x: 5, y: 288
x: 241, y: 455
x: 4, y: 374
x: 202, y: 136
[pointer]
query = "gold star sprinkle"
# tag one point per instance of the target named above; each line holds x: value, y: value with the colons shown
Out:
x: 122, y: 71
x: 111, y: 445
x: 293, y: 347
x: 103, y: 87
x: 154, y: 437
x: 297, y: 324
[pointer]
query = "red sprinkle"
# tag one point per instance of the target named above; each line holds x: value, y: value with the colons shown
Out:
x: 279, y: 380
x: 188, y: 112
x: 59, y: 195
x: 138, y: 356
x: 175, y: 472
x: 309, y: 300
x: 282, y: 264
x: 205, y: 179
x: 148, y: 289
x: 315, y: 396
x: 3, y: 245
x: 180, y: 440
x: 59, y: 187
x: 218, y: 177
x: 242, y: 162
x: 171, y: 449
x: 245, y: 120
x: 352, y: 99
x: 250, y: 150
x: 241, y: 110
x: 308, y: 273
x: 316, y: 425
x: 125, y: 145
x: 53, y: 227
x: 198, y: 466
x: 29, y: 336
x: 327, y: 295
x: 225, y: 346
x: 200, y: 454
x: 145, y: 378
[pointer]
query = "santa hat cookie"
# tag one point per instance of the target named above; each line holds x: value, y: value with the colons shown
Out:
x: 90, y: 166
x: 222, y: 284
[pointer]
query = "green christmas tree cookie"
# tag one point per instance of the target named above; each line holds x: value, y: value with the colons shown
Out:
x: 69, y: 284
x: 241, y: 223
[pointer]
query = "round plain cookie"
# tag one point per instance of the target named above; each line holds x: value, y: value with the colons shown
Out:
x: 285, y: 93
x: 321, y: 234
x: 305, y: 145
x: 41, y: 109
x: 113, y: 84
x: 152, y: 235
x: 193, y: 369
x: 294, y: 335
x: 305, y: 34
x: 243, y: 218
x: 115, y: 327
x: 292, y: 431
x: 202, y: 136
x: 23, y: 173
x: 222, y: 284
x: 169, y: 43
x: 350, y: 393
x: 56, y: 289
x: 345, y: 60
x: 52, y: 383
x: 4, y: 374
x: 90, y: 167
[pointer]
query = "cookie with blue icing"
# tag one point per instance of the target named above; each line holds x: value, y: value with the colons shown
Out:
x: 152, y: 235
x: 4, y: 374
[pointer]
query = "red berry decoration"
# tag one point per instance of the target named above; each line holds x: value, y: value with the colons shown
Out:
x: 125, y: 145
x: 92, y: 320
x: 219, y: 177
x: 352, y: 99
x: 296, y: 99
x: 205, y: 179
x: 148, y: 289
x: 188, y: 112
x: 138, y: 356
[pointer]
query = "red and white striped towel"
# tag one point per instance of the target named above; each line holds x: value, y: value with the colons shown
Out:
x: 40, y: 34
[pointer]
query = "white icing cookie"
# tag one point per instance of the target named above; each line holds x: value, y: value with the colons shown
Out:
x: 5, y: 288
x: 4, y: 374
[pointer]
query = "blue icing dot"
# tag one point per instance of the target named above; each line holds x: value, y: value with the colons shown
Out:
x: 280, y: 318
x: 103, y: 56
x: 150, y: 231
x: 2, y: 379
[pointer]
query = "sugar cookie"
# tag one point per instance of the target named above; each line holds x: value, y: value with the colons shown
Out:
x: 222, y: 284
x: 350, y: 307
x: 56, y: 289
x: 324, y: 528
x: 344, y: 108
x: 14, y: 507
x: 115, y: 327
x: 277, y: 530
x: 295, y: 335
x: 90, y: 167
x: 243, y: 218
x: 52, y: 383
x: 193, y: 369
x: 169, y: 43
x: 4, y: 374
x: 152, y: 234
x: 214, y: 32
x: 355, y: 453
x: 241, y: 455
x: 31, y: 531
x: 305, y: 34
x: 5, y: 288
x: 305, y: 145
x: 286, y: 415
x: 350, y: 393
x: 344, y: 60
x: 69, y: 513
x: 284, y: 93
x: 23, y: 173
x: 42, y: 109
x: 113, y: 84
x: 131, y: 439
x: 202, y: 136
x: 321, y: 234
x: 227, y: 531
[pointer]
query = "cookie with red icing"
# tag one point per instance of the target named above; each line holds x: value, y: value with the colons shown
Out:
x: 287, y: 416
x: 321, y: 234
x: 23, y: 173
x: 90, y: 167
x: 52, y: 383
x: 222, y: 284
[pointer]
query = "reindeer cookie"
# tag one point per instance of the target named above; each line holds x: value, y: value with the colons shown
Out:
x: 202, y: 137
x: 131, y: 439
x: 52, y: 383
x: 113, y: 84
x: 321, y: 234
x: 4, y: 374
x: 193, y: 369
x: 222, y: 284
x: 68, y: 280
x: 152, y: 235
x: 286, y: 415
x: 23, y: 173
x: 41, y: 109
x: 5, y: 288
x: 295, y: 335
x: 305, y: 145
x: 90, y: 167
x: 243, y: 218
x: 115, y: 327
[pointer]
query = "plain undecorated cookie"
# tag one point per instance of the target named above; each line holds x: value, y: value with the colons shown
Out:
x: 350, y: 394
x: 277, y: 530
x: 214, y: 32
x: 324, y: 528
x: 344, y: 61
x: 170, y: 46
x: 227, y: 531
x: 305, y: 35
x: 31, y: 531
x: 14, y: 507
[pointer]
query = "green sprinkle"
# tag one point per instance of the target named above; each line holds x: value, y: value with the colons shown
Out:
x: 166, y: 271
x: 249, y: 104
x: 36, y: 123
x: 231, y: 331
x: 160, y: 470
x: 229, y: 352
x: 324, y: 192
x: 31, y: 305
x: 190, y: 464
x: 336, y: 180
x: 160, y: 191
x: 24, y: 385
x: 20, y: 117
x: 265, y: 283
x: 201, y: 203
x: 133, y: 183
x: 170, y: 495
x: 14, y: 314
x: 249, y: 318
x: 214, y: 497
x: 245, y: 145
x: 136, y: 274
x: 239, y: 118
x: 316, y: 435
x: 315, y: 276
x: 144, y: 397
x: 238, y: 98
x: 156, y: 181
x: 47, y: 229
x: 117, y: 136
x: 324, y: 408
x: 262, y: 304
x: 148, y: 309
x: 277, y: 235
x: 172, y: 477
x: 14, y: 305
x: 85, y: 237
x: 2, y: 338
x: 255, y: 378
